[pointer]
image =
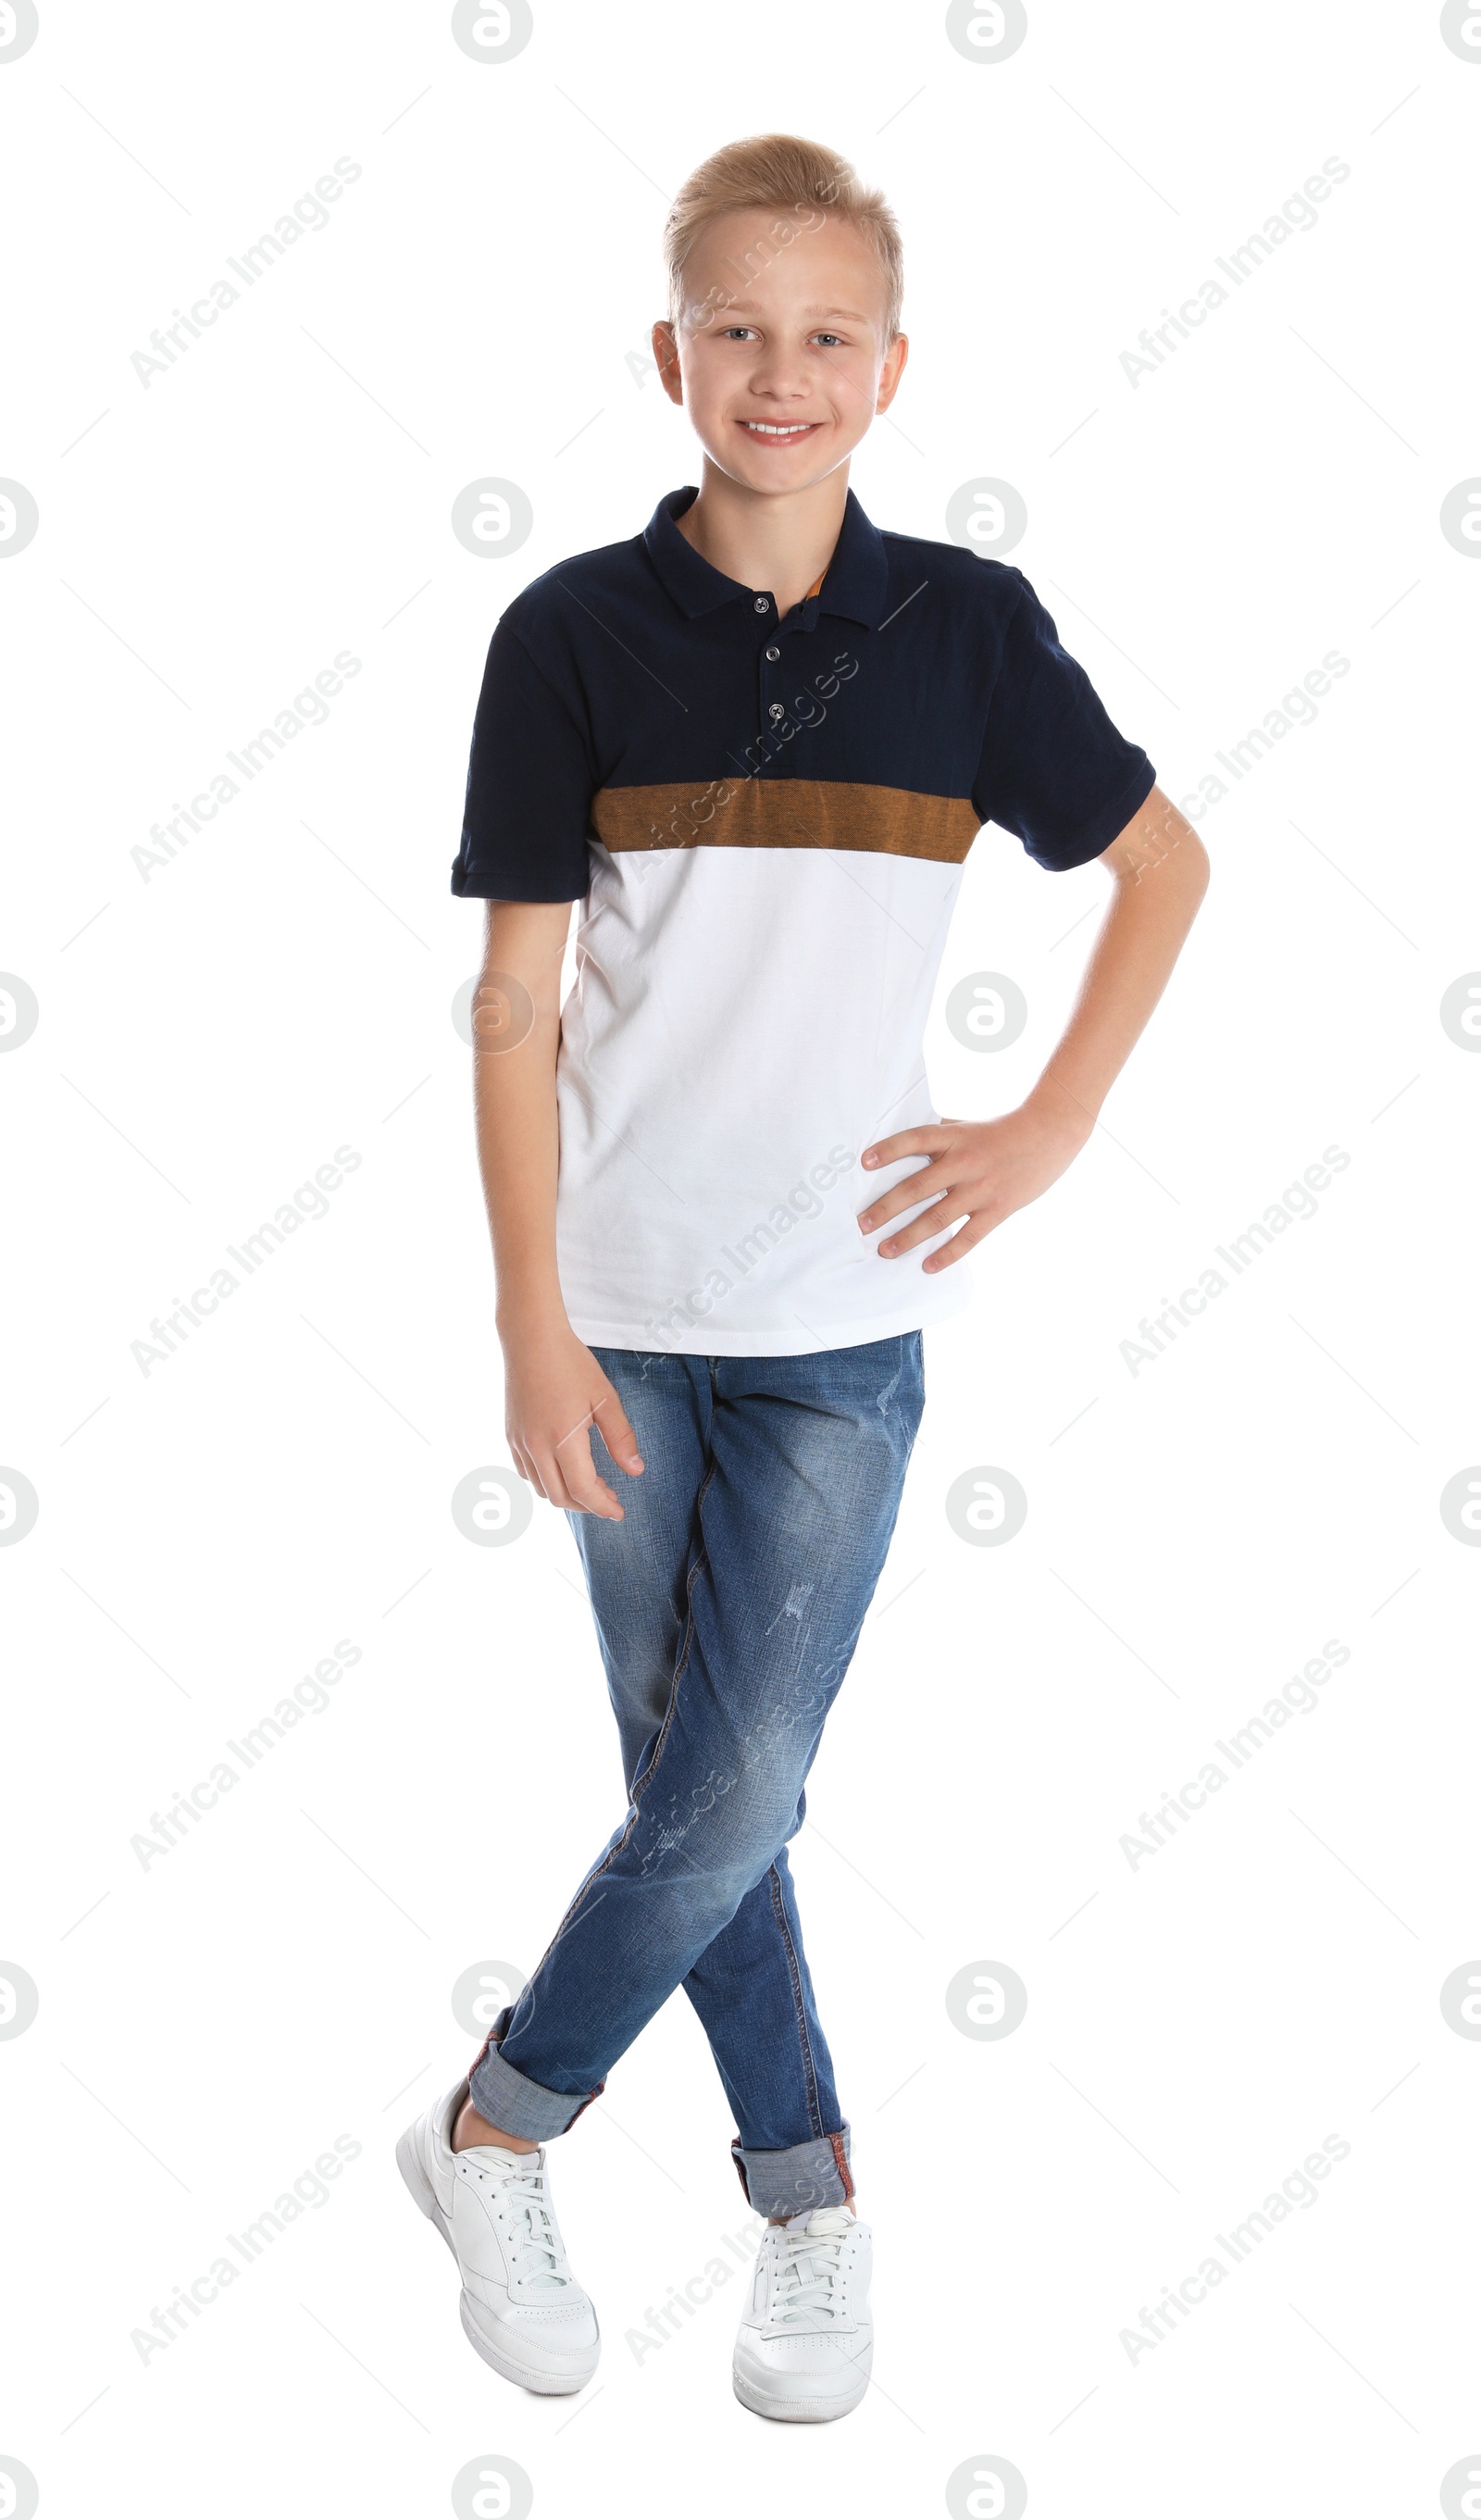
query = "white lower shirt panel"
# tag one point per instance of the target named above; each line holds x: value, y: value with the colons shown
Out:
x: 744, y: 1022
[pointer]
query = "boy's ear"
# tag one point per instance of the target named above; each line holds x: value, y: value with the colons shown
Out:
x: 666, y: 357
x: 890, y: 374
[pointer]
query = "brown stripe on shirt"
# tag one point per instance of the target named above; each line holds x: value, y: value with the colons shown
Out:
x: 785, y: 814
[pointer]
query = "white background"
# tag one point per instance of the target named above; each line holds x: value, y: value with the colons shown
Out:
x: 1196, y: 1530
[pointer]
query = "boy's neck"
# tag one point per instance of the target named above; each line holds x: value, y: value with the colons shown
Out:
x: 781, y: 542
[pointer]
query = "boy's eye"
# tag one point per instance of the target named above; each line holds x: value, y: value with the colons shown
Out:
x: 748, y: 333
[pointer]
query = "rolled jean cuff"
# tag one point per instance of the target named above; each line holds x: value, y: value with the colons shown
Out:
x: 798, y: 2177
x: 509, y: 2099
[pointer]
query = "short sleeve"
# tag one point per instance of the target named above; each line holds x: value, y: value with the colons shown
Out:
x: 526, y: 812
x: 1054, y: 770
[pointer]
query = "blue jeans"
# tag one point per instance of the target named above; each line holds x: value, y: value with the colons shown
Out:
x: 728, y: 1605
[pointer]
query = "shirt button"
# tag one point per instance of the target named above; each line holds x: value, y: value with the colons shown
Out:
x: 772, y: 654
x: 776, y: 709
x: 762, y: 605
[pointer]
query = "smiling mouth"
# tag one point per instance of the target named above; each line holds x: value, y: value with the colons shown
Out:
x: 780, y: 429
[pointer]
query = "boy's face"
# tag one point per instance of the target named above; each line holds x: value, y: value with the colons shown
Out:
x: 782, y: 382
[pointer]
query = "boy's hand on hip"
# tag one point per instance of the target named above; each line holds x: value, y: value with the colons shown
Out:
x: 555, y: 1393
x: 979, y: 1172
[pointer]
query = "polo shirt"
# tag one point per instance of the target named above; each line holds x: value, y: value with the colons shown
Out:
x: 765, y: 820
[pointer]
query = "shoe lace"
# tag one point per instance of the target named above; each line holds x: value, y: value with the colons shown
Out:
x: 539, y: 2257
x: 807, y: 2287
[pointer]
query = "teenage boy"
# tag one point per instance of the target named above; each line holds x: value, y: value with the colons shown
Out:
x: 755, y: 743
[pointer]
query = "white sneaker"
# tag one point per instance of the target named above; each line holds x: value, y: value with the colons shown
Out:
x: 806, y: 2337
x: 521, y: 2308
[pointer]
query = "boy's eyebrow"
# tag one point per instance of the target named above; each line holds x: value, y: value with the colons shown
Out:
x: 749, y: 306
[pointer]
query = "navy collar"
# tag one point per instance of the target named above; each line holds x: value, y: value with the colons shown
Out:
x: 855, y: 584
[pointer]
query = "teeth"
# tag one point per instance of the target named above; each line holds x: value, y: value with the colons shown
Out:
x: 769, y: 429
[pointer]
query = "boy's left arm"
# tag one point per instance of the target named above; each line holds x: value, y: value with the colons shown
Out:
x: 981, y: 1170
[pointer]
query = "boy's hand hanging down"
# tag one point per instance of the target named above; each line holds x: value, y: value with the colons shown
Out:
x: 554, y: 1393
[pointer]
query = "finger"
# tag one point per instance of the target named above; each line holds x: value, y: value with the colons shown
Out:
x: 616, y: 1433
x: 947, y: 1211
x: 586, y: 1491
x: 933, y: 1183
x: 525, y: 1464
x: 966, y: 1239
x: 910, y: 1141
x: 553, y: 1484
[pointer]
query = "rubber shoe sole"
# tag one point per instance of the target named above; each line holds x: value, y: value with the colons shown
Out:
x: 801, y: 2410
x: 542, y: 2384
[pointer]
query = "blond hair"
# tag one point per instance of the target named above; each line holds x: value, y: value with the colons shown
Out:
x: 799, y: 179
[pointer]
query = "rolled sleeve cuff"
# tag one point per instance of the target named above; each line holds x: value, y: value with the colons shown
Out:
x: 509, y: 2099
x: 797, y: 2178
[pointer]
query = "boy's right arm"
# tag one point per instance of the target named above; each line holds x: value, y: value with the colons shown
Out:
x: 554, y: 1389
